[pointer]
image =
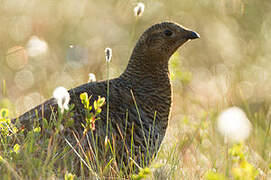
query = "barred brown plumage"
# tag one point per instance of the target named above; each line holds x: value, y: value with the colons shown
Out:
x: 140, y: 98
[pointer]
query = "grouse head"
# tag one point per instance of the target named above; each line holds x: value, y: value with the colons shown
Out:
x: 161, y: 40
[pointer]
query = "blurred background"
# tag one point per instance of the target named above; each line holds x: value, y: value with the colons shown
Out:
x: 45, y: 44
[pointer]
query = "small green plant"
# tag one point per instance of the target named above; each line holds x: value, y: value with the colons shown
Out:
x: 211, y: 175
x: 92, y: 112
x: 241, y: 169
x: 178, y: 73
x: 69, y: 176
x: 6, y: 127
x: 143, y: 173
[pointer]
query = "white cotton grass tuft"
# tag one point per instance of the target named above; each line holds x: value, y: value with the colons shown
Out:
x: 36, y: 46
x: 91, y: 77
x: 234, y: 125
x: 139, y: 9
x: 108, y: 54
x: 63, y: 97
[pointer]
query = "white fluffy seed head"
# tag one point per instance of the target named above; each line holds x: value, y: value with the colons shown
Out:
x: 91, y: 77
x: 36, y: 46
x: 108, y: 54
x: 62, y: 96
x: 139, y: 9
x: 234, y: 125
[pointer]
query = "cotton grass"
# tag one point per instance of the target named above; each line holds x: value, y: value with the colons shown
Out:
x: 108, y: 54
x: 234, y: 125
x: 62, y: 96
x: 36, y: 46
x: 139, y: 9
x: 91, y: 77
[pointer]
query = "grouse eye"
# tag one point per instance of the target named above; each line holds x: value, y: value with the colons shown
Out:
x: 168, y: 32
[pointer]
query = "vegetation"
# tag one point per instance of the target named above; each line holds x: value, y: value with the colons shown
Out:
x: 46, y: 44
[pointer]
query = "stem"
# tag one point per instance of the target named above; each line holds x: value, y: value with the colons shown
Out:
x: 227, y: 156
x: 107, y: 104
x: 266, y: 138
x: 139, y: 117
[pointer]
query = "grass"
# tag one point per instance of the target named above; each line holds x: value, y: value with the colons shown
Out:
x: 228, y: 66
x: 196, y: 152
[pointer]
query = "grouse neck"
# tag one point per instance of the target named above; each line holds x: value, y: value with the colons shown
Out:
x: 143, y: 65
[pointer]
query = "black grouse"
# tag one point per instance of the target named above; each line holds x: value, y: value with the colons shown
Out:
x: 139, y: 99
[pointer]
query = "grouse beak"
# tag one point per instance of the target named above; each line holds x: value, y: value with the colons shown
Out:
x: 192, y: 35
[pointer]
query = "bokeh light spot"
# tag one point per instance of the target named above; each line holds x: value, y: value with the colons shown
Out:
x: 16, y: 57
x: 24, y: 79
